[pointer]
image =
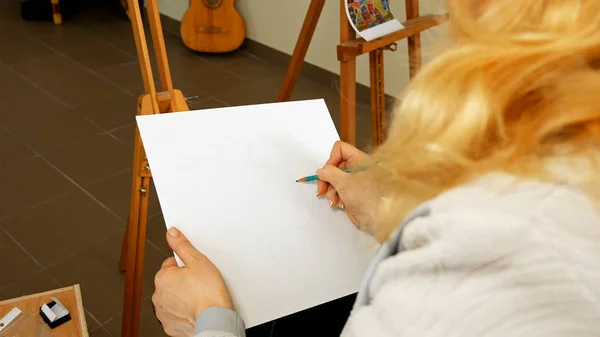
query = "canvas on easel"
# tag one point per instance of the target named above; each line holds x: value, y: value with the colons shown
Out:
x: 152, y: 102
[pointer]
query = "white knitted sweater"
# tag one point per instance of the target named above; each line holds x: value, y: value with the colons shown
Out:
x: 492, y: 259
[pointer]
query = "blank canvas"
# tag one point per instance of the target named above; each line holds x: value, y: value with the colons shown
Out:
x: 226, y: 178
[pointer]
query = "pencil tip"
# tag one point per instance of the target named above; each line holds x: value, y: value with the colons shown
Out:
x: 301, y: 180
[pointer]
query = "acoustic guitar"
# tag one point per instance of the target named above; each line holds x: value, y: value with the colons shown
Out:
x: 212, y: 26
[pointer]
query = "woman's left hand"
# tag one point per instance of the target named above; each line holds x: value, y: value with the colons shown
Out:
x: 183, y: 292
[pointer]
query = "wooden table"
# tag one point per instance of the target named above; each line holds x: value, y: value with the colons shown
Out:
x: 70, y: 297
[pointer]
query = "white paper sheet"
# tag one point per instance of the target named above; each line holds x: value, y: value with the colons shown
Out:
x: 226, y: 178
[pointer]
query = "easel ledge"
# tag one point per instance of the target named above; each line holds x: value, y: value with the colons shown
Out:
x: 354, y: 48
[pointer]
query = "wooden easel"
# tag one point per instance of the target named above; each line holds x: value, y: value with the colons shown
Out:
x: 172, y: 100
x: 348, y: 50
x: 152, y: 102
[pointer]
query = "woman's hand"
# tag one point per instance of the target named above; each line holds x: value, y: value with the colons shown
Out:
x: 183, y: 292
x: 348, y: 191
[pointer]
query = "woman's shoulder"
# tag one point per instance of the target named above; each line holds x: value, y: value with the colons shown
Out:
x: 499, y: 206
x: 495, y: 255
x: 501, y: 217
x: 501, y: 193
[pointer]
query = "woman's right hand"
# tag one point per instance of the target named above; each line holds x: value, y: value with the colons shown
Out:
x: 348, y: 191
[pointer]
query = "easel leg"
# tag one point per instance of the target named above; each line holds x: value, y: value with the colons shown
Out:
x: 347, y: 83
x: 169, y: 100
x: 135, y: 244
x: 56, y: 15
x: 134, y: 247
x: 414, y: 42
x: 306, y: 34
x: 160, y: 50
x: 378, y: 122
x: 133, y: 200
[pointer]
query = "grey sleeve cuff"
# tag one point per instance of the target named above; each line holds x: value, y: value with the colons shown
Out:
x: 218, y: 321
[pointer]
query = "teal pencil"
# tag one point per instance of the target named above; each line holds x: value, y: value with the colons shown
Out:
x: 314, y: 177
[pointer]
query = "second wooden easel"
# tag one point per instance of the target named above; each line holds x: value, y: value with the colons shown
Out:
x: 347, y: 52
x: 152, y: 102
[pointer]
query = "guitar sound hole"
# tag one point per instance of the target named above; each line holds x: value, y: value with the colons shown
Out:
x: 212, y: 3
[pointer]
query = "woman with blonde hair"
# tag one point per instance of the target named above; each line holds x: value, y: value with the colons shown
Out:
x: 485, y: 194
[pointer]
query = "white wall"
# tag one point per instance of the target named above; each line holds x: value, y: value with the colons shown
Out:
x: 277, y: 23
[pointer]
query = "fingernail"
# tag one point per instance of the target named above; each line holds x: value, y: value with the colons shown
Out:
x: 330, y: 204
x: 173, y: 232
x: 319, y: 171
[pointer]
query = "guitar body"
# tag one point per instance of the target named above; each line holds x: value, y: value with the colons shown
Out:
x: 212, y: 26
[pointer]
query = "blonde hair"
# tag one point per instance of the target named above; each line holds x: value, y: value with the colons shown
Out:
x: 517, y: 87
